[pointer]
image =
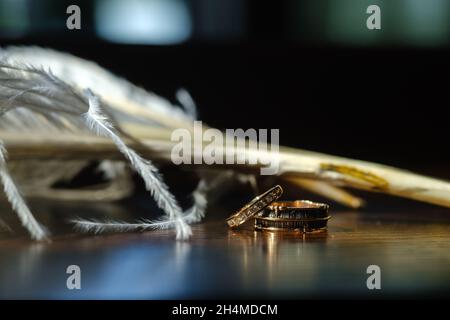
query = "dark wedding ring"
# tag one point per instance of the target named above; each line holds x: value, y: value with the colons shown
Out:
x: 300, y: 215
x: 281, y: 224
x: 299, y: 209
x: 254, y: 206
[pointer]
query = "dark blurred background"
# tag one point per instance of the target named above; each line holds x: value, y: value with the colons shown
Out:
x: 310, y: 68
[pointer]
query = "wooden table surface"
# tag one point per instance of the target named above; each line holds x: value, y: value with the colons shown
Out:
x: 410, y: 242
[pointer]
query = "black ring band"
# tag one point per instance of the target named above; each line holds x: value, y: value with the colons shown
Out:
x: 280, y: 224
x: 299, y: 209
x: 301, y: 215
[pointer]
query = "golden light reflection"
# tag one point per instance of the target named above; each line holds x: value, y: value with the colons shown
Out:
x: 276, y: 255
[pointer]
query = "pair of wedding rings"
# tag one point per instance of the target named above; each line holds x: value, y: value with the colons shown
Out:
x: 271, y: 215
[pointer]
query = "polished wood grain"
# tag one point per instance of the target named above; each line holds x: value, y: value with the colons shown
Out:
x: 409, y: 241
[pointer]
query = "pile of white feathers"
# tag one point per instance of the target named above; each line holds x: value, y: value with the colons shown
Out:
x: 42, y: 89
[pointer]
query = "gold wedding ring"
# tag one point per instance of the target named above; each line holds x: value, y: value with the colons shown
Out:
x: 254, y: 206
x: 299, y: 209
x: 301, y: 215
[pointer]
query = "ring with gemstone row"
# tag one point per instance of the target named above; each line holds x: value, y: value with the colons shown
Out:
x: 254, y: 206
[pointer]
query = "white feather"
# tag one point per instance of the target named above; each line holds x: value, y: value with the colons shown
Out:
x: 98, y: 122
x: 193, y: 215
x: 40, y: 91
x: 77, y: 71
x: 97, y: 227
x: 197, y: 212
x: 111, y: 169
x: 186, y: 101
x: 17, y: 202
